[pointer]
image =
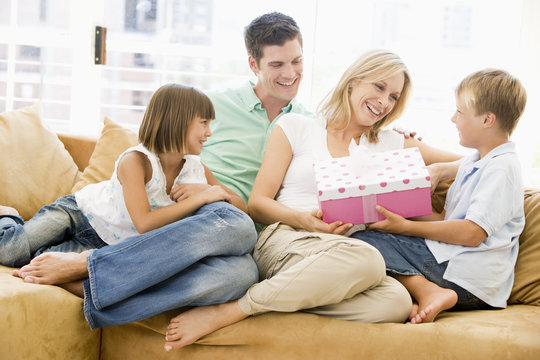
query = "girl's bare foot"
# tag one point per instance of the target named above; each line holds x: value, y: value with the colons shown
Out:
x: 193, y: 324
x: 54, y: 268
x: 6, y: 210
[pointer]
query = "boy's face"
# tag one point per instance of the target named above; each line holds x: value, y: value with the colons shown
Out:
x: 279, y: 72
x: 468, y: 124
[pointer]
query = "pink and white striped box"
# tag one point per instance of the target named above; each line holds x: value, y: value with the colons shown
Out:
x: 350, y: 187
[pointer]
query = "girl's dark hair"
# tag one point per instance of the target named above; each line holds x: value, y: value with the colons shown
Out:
x: 168, y: 115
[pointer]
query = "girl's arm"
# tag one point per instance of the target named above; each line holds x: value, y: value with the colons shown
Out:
x: 134, y: 171
x: 261, y: 205
x: 458, y: 232
x: 183, y: 191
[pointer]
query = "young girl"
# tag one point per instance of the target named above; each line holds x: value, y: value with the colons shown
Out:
x: 155, y: 183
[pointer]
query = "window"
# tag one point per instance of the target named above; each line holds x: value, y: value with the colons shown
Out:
x: 46, y: 53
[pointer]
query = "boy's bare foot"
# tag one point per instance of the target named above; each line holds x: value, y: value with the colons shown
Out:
x: 431, y: 298
x: 6, y: 210
x: 193, y: 324
x: 414, y: 311
x: 432, y: 304
x: 54, y: 268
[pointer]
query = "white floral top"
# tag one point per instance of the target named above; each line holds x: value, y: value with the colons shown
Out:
x: 104, y: 206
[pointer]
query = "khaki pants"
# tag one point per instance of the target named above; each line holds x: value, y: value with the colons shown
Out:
x: 325, y: 274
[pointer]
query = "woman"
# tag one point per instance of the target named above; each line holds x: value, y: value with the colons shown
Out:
x: 306, y: 263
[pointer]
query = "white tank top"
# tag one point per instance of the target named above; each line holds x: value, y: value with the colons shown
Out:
x: 104, y: 206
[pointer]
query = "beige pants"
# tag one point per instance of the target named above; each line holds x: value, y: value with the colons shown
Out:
x: 325, y: 274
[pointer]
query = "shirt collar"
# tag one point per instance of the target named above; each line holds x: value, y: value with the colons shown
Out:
x: 505, y: 148
x: 252, y: 102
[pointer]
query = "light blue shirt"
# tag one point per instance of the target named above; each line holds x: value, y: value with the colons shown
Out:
x: 489, y: 192
x: 235, y: 150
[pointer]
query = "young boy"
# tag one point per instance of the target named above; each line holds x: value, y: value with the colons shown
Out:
x: 464, y: 257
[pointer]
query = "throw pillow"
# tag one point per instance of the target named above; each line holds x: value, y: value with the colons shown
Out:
x: 114, y: 140
x: 35, y: 167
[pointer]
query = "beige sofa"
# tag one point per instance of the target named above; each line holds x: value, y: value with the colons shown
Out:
x: 46, y: 322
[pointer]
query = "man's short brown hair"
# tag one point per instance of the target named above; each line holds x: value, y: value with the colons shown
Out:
x: 270, y: 29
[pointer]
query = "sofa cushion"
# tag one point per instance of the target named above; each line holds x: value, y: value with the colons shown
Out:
x: 526, y: 288
x: 36, y: 168
x: 510, y: 333
x: 113, y: 141
x: 43, y: 322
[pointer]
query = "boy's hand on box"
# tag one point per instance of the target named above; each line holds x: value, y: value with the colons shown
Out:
x: 393, y: 223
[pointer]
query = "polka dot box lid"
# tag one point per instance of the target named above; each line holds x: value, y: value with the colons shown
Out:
x: 371, y: 173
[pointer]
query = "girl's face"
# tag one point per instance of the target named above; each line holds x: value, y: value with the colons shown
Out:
x: 468, y: 124
x: 197, y: 133
x: 371, y: 102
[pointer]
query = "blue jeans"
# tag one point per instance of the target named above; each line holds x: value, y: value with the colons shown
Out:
x: 60, y: 226
x: 409, y: 255
x: 200, y: 260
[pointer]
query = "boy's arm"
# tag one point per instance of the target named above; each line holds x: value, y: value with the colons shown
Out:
x: 457, y: 232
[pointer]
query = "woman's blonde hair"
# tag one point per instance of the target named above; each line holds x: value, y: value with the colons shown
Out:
x: 370, y: 67
x: 168, y: 115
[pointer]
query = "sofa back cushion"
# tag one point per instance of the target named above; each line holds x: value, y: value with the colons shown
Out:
x: 526, y: 288
x: 114, y: 140
x: 35, y: 168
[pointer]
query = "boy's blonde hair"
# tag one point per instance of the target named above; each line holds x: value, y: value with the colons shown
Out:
x: 495, y: 91
x: 168, y: 115
x: 373, y: 66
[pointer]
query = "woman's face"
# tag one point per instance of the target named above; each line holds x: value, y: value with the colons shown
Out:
x: 371, y: 102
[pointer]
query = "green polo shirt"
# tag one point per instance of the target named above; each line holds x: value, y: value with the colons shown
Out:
x: 235, y: 150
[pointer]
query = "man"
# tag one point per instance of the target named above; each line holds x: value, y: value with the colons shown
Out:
x: 246, y: 115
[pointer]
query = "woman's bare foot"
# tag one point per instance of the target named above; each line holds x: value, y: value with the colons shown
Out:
x: 193, y: 324
x: 6, y: 210
x: 54, y: 268
x: 432, y: 304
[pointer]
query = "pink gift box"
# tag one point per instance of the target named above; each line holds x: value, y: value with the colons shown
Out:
x: 349, y: 189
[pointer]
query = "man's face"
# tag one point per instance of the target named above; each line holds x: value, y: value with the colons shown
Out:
x: 279, y: 72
